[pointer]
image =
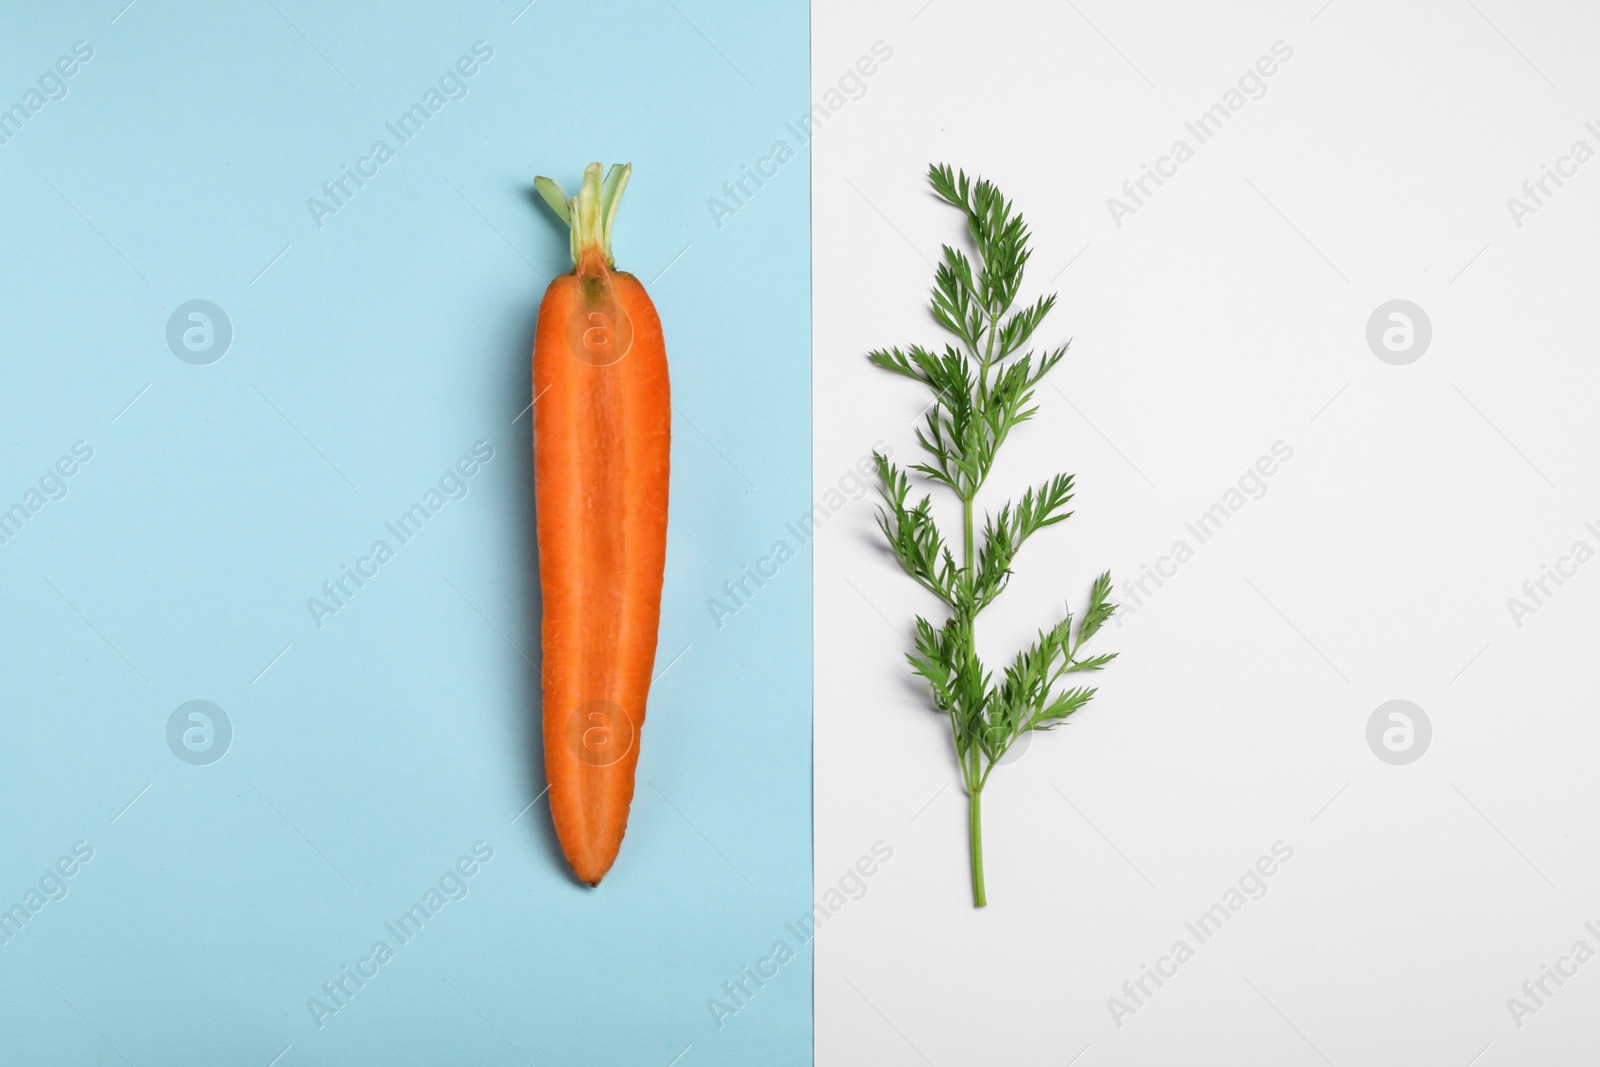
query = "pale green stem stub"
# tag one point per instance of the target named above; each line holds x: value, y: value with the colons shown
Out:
x: 591, y: 214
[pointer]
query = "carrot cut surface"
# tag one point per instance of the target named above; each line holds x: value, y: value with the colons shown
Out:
x: 602, y: 430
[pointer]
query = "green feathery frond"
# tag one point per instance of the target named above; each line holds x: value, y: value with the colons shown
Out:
x: 982, y: 388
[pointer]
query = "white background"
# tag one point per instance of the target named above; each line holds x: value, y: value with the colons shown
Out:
x: 1227, y: 314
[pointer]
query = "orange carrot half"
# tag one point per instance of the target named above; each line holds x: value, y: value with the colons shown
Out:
x: 602, y: 427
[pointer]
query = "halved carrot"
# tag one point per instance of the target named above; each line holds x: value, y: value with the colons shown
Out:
x: 602, y: 426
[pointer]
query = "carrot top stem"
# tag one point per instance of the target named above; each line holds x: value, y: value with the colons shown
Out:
x: 591, y: 213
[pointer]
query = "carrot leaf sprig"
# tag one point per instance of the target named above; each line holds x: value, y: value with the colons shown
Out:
x: 983, y: 388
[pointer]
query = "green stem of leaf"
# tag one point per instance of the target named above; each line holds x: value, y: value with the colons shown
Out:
x: 978, y: 898
x: 966, y: 533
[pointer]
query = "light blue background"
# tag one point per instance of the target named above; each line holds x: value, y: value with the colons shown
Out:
x: 365, y: 361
